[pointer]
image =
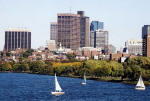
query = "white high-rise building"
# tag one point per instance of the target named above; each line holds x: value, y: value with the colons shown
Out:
x: 51, y: 45
x: 134, y: 47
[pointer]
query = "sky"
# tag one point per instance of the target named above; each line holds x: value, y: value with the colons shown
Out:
x: 122, y: 18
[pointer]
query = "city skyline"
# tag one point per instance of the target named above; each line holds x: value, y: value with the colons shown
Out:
x: 122, y: 20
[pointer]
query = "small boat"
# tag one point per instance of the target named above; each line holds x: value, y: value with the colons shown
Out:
x: 58, y: 91
x: 84, y: 81
x: 140, y: 85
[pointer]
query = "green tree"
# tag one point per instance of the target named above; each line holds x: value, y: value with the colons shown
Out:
x: 71, y: 57
x: 117, y: 69
x: 6, y: 67
x: 133, y: 72
x: 36, y: 66
x: 8, y: 54
x: 28, y: 53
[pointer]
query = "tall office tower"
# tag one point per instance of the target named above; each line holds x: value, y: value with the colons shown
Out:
x: 146, y: 40
x: 99, y: 39
x: 134, y: 47
x: 84, y: 28
x: 95, y: 25
x: 17, y: 38
x: 53, y: 31
x: 68, y: 30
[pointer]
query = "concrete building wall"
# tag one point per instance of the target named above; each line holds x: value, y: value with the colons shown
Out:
x: 51, y: 45
x: 84, y: 28
x: 134, y: 47
x: 53, y: 31
x: 69, y: 30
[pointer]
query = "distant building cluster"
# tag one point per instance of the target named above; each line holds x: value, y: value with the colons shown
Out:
x: 74, y: 31
x: 74, y: 34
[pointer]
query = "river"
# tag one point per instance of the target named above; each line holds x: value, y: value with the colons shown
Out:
x: 32, y: 87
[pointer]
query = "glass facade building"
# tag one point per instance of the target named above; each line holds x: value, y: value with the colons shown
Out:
x: 99, y: 39
x: 146, y: 40
x: 17, y: 38
x: 95, y: 25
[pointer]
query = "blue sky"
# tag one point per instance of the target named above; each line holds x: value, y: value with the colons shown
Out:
x: 122, y: 18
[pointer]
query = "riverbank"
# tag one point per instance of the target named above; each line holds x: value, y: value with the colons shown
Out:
x: 105, y: 79
x: 112, y: 79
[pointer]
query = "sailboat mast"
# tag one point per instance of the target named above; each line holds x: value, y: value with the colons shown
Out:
x: 55, y: 81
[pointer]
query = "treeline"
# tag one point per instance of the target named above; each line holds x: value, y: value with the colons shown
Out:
x: 129, y: 70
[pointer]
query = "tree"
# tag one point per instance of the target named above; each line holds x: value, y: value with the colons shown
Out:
x: 117, y: 69
x: 28, y: 53
x: 103, y: 69
x: 36, y: 66
x: 6, y: 67
x: 133, y: 72
x: 8, y: 54
x: 71, y: 57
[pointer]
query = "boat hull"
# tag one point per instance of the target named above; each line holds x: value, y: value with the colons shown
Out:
x: 83, y: 83
x: 57, y: 93
x: 140, y: 88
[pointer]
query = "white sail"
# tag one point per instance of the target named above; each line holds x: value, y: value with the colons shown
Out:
x: 57, y: 86
x: 84, y: 78
x: 84, y: 81
x: 140, y: 83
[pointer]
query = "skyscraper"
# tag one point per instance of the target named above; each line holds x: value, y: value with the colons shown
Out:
x: 99, y: 39
x: 84, y: 28
x: 95, y: 25
x: 53, y: 31
x: 68, y: 30
x: 17, y: 38
x: 146, y: 40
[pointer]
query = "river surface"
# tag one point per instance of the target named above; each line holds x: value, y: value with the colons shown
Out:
x: 32, y: 87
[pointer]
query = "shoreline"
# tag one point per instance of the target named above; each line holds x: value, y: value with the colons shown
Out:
x: 88, y: 78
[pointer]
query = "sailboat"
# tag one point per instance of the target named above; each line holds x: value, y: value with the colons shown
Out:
x: 140, y: 85
x: 58, y: 91
x: 84, y: 82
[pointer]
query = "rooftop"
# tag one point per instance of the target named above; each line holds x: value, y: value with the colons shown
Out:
x: 18, y: 29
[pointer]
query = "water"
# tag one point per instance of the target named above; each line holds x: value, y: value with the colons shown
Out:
x: 32, y: 87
